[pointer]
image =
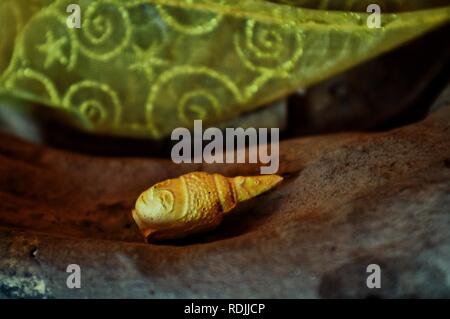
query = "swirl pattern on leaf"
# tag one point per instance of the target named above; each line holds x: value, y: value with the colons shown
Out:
x: 106, y: 30
x: 265, y: 48
x: 96, y: 102
x: 192, y: 93
x: 33, y: 83
x: 144, y: 67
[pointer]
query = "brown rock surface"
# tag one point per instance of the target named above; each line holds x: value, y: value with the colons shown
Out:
x: 348, y: 200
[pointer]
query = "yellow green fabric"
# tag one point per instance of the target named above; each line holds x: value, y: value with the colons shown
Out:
x: 144, y: 67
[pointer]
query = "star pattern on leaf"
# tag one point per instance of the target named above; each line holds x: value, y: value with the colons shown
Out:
x: 53, y: 49
x: 146, y: 61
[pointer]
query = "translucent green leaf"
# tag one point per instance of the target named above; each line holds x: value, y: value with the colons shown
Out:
x: 142, y: 68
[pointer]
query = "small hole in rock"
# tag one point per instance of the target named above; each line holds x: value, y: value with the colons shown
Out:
x: 34, y: 252
x: 447, y: 163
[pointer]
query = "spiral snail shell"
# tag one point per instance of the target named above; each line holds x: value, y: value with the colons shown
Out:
x: 194, y: 202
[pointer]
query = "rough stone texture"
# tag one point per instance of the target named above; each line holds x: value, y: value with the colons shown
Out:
x: 348, y: 200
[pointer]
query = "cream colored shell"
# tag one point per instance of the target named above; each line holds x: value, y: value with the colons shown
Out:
x: 194, y: 202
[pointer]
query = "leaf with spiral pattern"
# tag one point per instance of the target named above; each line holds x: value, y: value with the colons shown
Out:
x: 144, y: 67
